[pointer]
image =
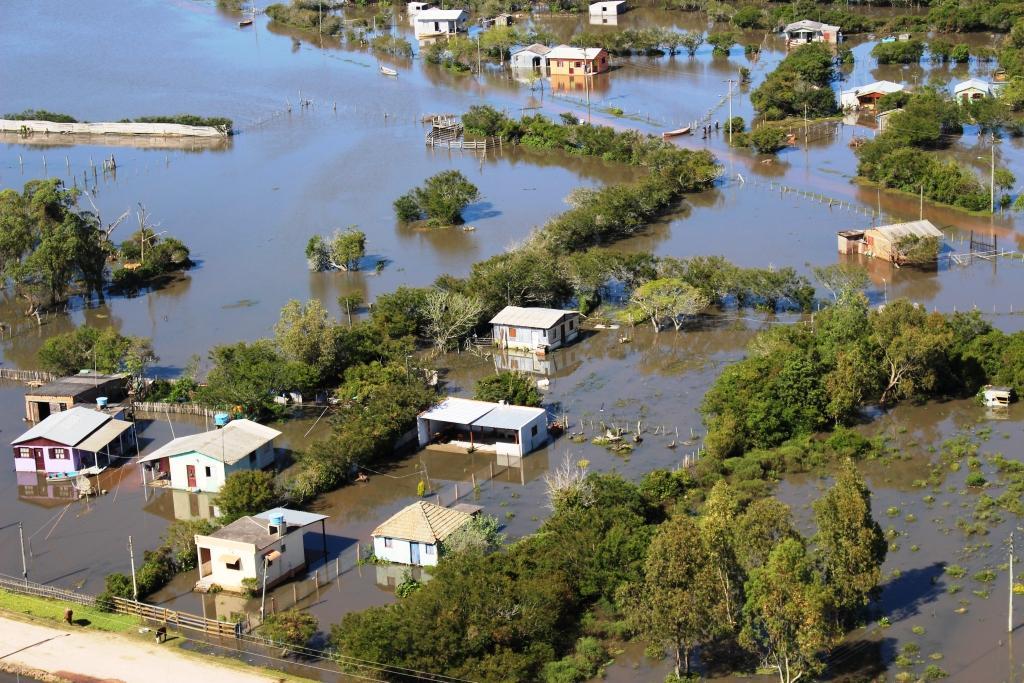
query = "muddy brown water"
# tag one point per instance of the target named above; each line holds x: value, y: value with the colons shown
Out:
x: 247, y: 207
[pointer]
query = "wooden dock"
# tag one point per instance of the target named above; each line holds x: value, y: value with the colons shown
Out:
x: 175, y: 130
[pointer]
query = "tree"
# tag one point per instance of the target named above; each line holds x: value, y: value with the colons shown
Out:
x: 479, y: 535
x: 345, y: 249
x: 841, y: 279
x: 306, y: 334
x: 670, y: 298
x: 721, y: 42
x: 691, y: 42
x: 246, y: 492
x: 349, y: 303
x: 850, y: 544
x: 516, y: 388
x: 450, y: 316
x: 912, y: 345
x: 763, y: 525
x: 767, y: 139
x: 717, y: 525
x: 248, y: 376
x: 676, y: 605
x: 292, y: 628
x: 786, y: 615
x: 103, y: 350
x: 440, y: 200
x: 400, y: 313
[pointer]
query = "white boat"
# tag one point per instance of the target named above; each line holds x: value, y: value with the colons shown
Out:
x: 388, y: 72
x: 678, y: 131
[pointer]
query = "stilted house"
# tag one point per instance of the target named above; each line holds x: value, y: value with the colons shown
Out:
x: 867, y: 96
x: 888, y: 242
x: 439, y: 22
x: 269, y: 547
x: 530, y: 57
x: 75, y: 441
x: 564, y: 60
x: 534, y: 329
x: 201, y: 462
x: 481, y: 425
x: 81, y: 389
x: 414, y: 534
x: 808, y: 31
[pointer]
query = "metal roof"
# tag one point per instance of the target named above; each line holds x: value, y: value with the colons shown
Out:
x: 256, y: 529
x: 537, y: 318
x: 973, y: 84
x: 458, y: 410
x: 877, y: 86
x: 104, y: 435
x: 434, y: 14
x: 535, y: 48
x: 228, y: 444
x: 508, y: 417
x: 292, y: 517
x: 569, y: 52
x: 897, y: 231
x: 68, y: 427
x: 74, y: 385
x: 808, y: 25
x: 423, y: 522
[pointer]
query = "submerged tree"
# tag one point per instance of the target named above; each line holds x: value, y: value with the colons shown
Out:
x: 343, y: 251
x: 440, y: 200
x: 665, y: 298
x: 516, y: 388
x: 102, y: 350
x: 450, y: 316
x: 246, y: 492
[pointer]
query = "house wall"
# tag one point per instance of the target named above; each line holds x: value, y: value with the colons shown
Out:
x: 401, y: 551
x: 530, y: 338
x: 293, y: 559
x: 438, y: 28
x: 51, y: 463
x: 524, y: 60
x: 533, y: 435
x: 577, y: 67
x: 605, y: 8
x: 210, y: 483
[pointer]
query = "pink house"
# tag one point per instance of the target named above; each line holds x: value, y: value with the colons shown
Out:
x: 72, y: 441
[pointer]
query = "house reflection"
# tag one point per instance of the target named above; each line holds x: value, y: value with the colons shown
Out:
x: 391, y: 575
x: 174, y: 504
x: 579, y: 84
x: 34, y: 488
x: 560, y: 362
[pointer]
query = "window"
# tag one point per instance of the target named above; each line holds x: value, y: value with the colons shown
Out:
x: 209, y: 472
x: 512, y: 332
x: 572, y: 324
x: 24, y: 453
x: 252, y: 457
x: 283, y: 547
x: 577, y: 64
x: 236, y: 565
x: 428, y: 550
x: 533, y: 431
x: 387, y: 542
x: 58, y: 454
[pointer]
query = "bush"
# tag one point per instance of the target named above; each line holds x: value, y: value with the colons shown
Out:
x: 898, y: 52
x: 225, y: 124
x: 975, y: 480
x: 247, y: 492
x: 40, y: 115
x: 893, y: 100
x: 799, y: 84
x: 292, y: 628
x: 768, y: 140
x: 749, y: 16
x: 440, y: 200
x: 516, y: 388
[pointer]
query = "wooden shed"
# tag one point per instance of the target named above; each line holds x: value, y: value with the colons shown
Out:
x: 882, y: 242
x: 62, y: 394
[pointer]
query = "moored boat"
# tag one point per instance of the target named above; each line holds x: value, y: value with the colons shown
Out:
x: 388, y: 72
x: 678, y: 131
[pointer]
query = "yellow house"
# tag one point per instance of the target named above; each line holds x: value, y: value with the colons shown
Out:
x: 577, y: 61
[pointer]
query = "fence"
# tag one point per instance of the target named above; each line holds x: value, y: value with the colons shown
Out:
x: 27, y: 375
x: 26, y: 587
x: 160, y: 407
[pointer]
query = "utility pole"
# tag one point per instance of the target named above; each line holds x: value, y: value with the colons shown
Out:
x: 478, y: 54
x: 131, y: 555
x: 992, y: 178
x: 21, y: 538
x: 730, y: 82
x: 263, y: 594
x: 1009, y: 618
x: 806, y: 133
x: 921, y: 212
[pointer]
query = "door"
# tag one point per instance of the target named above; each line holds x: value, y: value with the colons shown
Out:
x: 414, y: 552
x: 37, y: 453
x: 190, y: 474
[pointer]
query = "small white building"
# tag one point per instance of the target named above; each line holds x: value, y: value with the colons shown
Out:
x: 867, y: 95
x: 416, y: 7
x: 481, y: 425
x: 270, y: 545
x: 413, y: 535
x: 808, y: 31
x: 608, y: 8
x: 530, y: 57
x: 534, y: 329
x: 201, y: 462
x: 439, y: 22
x: 997, y: 397
x: 972, y: 89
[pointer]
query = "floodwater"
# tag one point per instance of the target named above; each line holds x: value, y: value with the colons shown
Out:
x: 247, y: 206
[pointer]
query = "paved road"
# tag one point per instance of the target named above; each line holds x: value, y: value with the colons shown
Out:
x: 107, y: 657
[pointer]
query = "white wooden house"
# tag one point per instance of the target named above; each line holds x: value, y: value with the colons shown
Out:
x: 484, y: 426
x: 607, y: 8
x: 972, y: 89
x: 530, y: 57
x: 997, y: 397
x: 201, y: 462
x: 414, y: 534
x: 808, y: 31
x: 439, y: 22
x: 75, y: 440
x: 534, y: 329
x: 271, y: 544
x: 867, y: 95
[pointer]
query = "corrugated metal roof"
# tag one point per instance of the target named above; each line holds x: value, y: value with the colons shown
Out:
x: 808, y: 25
x: 508, y: 417
x: 68, y: 427
x: 536, y: 49
x: 537, y: 318
x: 99, y: 439
x: 895, y: 231
x: 292, y: 517
x: 229, y: 444
x: 877, y: 86
x: 458, y: 410
x: 423, y: 522
x: 434, y: 14
x: 569, y: 52
x: 76, y: 384
x: 973, y: 84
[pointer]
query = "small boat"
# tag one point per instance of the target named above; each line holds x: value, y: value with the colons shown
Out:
x: 245, y: 22
x: 678, y: 131
x: 388, y: 72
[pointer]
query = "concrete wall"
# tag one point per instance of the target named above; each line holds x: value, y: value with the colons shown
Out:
x: 293, y: 558
x: 51, y: 464
x: 401, y: 552
x: 210, y: 483
x: 529, y: 441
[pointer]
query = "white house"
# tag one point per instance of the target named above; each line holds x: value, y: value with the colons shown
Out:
x: 201, y: 462
x: 534, y: 329
x: 439, y: 22
x: 997, y: 397
x: 807, y: 31
x: 867, y: 95
x: 413, y: 535
x: 416, y: 7
x: 269, y: 545
x: 972, y: 89
x: 481, y: 425
x: 530, y: 57
x: 607, y: 7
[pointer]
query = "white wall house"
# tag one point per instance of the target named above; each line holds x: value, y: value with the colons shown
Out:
x: 534, y: 329
x: 484, y: 426
x: 530, y: 57
x: 439, y: 22
x: 607, y: 7
x: 201, y: 462
x: 867, y: 95
x: 414, y: 534
x: 972, y: 89
x: 274, y: 541
x: 808, y: 31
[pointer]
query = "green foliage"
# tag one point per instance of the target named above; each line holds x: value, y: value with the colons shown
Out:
x: 299, y: 15
x: 40, y: 115
x: 893, y: 100
x: 441, y: 199
x: 343, y: 251
x: 400, y: 313
x: 721, y: 42
x: 147, y: 256
x: 103, y: 350
x: 767, y: 139
x: 898, y: 52
x: 513, y: 387
x: 246, y: 492
x: 479, y: 535
x: 583, y: 664
x: 392, y: 45
x: 247, y: 377
x: 649, y: 41
x: 293, y: 628
x: 663, y: 299
x: 225, y: 124
x: 799, y: 85
x: 749, y: 16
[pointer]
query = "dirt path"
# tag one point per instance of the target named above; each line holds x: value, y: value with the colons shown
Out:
x: 90, y: 656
